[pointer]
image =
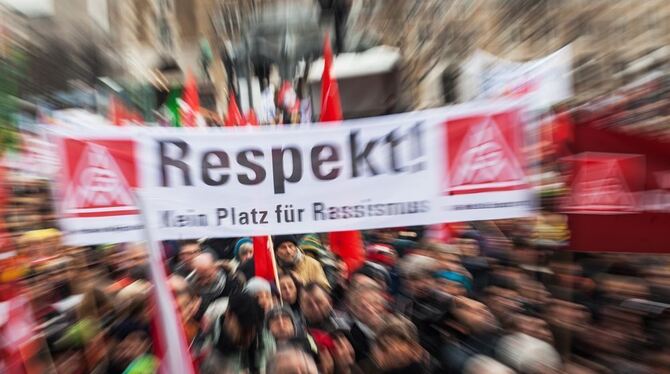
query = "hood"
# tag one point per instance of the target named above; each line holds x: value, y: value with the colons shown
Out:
x: 285, y: 310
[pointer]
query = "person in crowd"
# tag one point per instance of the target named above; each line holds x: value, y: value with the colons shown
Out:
x: 317, y: 308
x: 212, y: 284
x: 368, y: 310
x: 453, y: 283
x: 188, y: 250
x: 261, y: 290
x: 472, y: 330
x: 343, y: 355
x: 290, y: 288
x: 283, y: 328
x: 371, y: 271
x: 532, y: 325
x: 242, y: 252
x: 396, y: 349
x: 479, y: 364
x: 188, y: 303
x: 291, y: 259
x: 291, y: 361
x: 528, y: 355
x: 132, y: 352
x: 311, y: 246
x: 235, y: 333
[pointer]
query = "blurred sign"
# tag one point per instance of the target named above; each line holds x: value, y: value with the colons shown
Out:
x: 485, y: 154
x: 605, y: 183
x: 35, y: 157
x: 544, y: 81
x: 100, y: 178
x: 460, y: 163
x: 619, y: 201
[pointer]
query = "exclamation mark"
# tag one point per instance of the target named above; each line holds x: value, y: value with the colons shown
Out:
x: 416, y: 141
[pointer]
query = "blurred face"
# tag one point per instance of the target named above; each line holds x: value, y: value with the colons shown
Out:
x: 567, y: 315
x: 534, y: 327
x: 504, y: 302
x: 468, y: 247
x: 420, y: 286
x: 281, y: 327
x: 137, y: 256
x: 246, y: 252
x: 289, y: 292
x: 474, y: 315
x: 206, y: 277
x: 360, y: 280
x: 342, y: 352
x: 368, y: 307
x: 294, y: 362
x: 315, y: 305
x: 265, y: 300
x: 391, y: 353
x: 187, y: 304
x: 240, y: 336
x: 188, y: 252
x: 131, y: 347
x: 287, y: 251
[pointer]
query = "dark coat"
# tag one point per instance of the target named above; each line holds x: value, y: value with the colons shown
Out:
x: 359, y: 342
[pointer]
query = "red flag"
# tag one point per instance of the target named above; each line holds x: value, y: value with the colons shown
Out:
x: 264, y: 263
x: 347, y: 244
x: 167, y: 329
x: 234, y: 116
x: 190, y: 97
x: 331, y: 109
x: 251, y: 118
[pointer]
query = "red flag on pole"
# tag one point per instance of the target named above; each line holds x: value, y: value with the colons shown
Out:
x: 264, y: 261
x: 192, y: 101
x: 347, y: 244
x: 234, y: 116
x: 331, y: 108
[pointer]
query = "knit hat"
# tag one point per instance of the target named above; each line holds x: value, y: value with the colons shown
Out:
x: 256, y: 285
x: 240, y: 243
x: 375, y: 271
x: 277, y: 240
x: 311, y: 243
x: 453, y: 276
x: 381, y: 254
x: 415, y: 266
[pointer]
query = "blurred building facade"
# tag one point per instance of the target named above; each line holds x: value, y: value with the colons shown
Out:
x: 613, y: 42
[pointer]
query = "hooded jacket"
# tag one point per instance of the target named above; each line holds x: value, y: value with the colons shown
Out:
x: 300, y: 337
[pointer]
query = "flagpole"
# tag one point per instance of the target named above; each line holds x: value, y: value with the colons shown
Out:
x: 274, y: 268
x: 176, y: 358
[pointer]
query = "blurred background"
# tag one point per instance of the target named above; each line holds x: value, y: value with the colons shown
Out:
x: 588, y: 274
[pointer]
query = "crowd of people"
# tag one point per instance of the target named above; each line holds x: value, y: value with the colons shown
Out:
x: 476, y: 303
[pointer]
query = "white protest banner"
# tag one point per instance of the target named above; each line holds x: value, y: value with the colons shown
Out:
x: 544, y: 81
x: 452, y: 164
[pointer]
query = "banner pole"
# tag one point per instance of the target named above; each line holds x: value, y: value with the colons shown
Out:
x: 176, y: 357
